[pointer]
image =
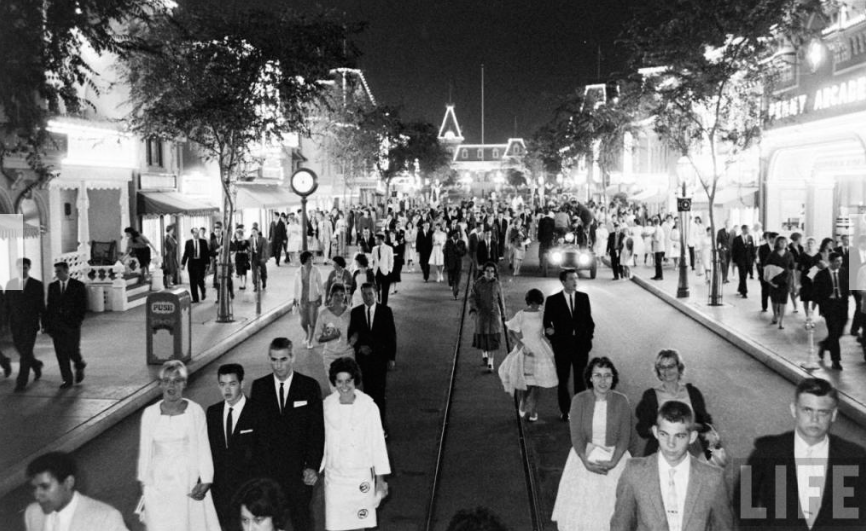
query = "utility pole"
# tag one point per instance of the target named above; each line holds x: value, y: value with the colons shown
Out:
x: 482, y: 103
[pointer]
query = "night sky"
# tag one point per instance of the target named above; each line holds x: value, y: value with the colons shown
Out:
x: 534, y: 52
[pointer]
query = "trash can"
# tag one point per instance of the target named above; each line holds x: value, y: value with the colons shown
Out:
x: 169, y: 320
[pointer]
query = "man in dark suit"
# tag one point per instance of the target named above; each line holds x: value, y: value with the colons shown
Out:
x: 231, y: 433
x: 374, y: 337
x: 672, y: 489
x: 546, y: 234
x: 365, y: 222
x: 485, y: 251
x: 67, y: 304
x: 568, y: 323
x: 613, y: 250
x: 831, y: 291
x: 259, y: 259
x: 455, y: 250
x: 25, y: 308
x: 5, y: 362
x: 501, y: 232
x: 278, y: 237
x: 743, y: 254
x: 723, y: 244
x: 195, y: 251
x: 806, y: 479
x: 424, y: 245
x: 366, y: 242
x: 215, y: 247
x: 290, y: 430
x: 764, y: 251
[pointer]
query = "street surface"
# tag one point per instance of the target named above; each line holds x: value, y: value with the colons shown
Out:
x: 482, y: 465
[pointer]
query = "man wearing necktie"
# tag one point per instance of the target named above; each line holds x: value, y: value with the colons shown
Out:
x: 195, y: 252
x: 290, y: 430
x: 374, y: 337
x: 231, y: 433
x: 383, y: 265
x: 569, y: 326
x: 672, y: 489
x: 831, y: 291
x: 67, y: 306
x: 59, y: 506
x: 25, y: 309
x: 808, y: 478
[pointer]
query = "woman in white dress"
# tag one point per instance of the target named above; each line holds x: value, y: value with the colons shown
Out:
x: 601, y: 426
x: 706, y: 254
x: 334, y: 328
x: 356, y: 458
x: 539, y: 368
x: 626, y: 257
x: 675, y: 246
x: 437, y: 257
x: 293, y: 233
x: 175, y: 466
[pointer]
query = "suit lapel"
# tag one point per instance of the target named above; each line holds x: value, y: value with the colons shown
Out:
x: 693, y: 491
x: 652, y: 476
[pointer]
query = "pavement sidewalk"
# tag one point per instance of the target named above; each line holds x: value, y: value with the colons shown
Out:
x: 118, y: 381
x: 741, y: 322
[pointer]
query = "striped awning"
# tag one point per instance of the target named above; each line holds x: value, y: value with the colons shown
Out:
x: 171, y: 203
x: 13, y: 226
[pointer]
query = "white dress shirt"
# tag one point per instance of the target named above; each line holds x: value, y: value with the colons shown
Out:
x: 239, y: 406
x: 61, y: 520
x: 286, y: 385
x: 681, y: 485
x: 811, y: 473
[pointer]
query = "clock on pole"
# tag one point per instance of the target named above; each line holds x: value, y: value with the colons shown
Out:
x: 304, y: 182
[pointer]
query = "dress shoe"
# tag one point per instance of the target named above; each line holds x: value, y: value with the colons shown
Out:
x: 7, y: 366
x: 837, y: 366
x: 79, y: 373
x: 37, y: 370
x: 564, y: 417
x: 66, y: 385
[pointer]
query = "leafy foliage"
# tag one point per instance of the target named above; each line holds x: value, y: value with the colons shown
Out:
x: 43, y: 64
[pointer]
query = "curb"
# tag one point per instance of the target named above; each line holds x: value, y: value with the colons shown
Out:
x: 15, y: 476
x: 849, y: 407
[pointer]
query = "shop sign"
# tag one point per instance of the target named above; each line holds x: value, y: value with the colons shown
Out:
x: 835, y: 96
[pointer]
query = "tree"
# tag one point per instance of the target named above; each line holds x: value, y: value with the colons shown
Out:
x: 231, y: 83
x: 713, y: 68
x: 515, y: 178
x: 43, y: 67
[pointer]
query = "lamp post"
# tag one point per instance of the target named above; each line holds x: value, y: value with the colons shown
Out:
x: 684, y: 206
x: 304, y: 183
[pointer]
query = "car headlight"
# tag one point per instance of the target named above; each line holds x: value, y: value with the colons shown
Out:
x: 584, y: 259
x: 569, y: 237
x: 556, y: 257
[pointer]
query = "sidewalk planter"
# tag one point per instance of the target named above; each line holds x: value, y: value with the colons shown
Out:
x: 169, y: 319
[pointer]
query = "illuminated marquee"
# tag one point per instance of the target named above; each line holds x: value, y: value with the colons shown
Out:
x: 830, y: 97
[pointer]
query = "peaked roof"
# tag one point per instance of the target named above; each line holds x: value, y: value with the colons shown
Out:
x: 450, y: 129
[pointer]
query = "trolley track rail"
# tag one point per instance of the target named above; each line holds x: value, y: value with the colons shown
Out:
x: 528, y: 467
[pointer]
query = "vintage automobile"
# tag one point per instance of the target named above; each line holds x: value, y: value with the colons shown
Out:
x: 571, y: 254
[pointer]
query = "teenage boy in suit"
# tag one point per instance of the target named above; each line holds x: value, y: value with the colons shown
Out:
x: 25, y: 308
x: 67, y: 305
x: 196, y: 253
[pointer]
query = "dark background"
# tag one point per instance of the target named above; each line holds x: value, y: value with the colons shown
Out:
x: 417, y: 52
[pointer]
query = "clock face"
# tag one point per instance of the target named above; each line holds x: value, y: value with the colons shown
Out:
x: 303, y: 182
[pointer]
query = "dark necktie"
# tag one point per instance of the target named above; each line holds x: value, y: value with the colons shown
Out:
x: 195, y: 242
x: 62, y: 288
x: 282, y: 398
x: 229, y: 428
x: 369, y: 319
x: 571, y: 303
x: 836, y: 292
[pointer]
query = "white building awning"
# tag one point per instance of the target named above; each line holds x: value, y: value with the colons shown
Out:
x: 265, y: 196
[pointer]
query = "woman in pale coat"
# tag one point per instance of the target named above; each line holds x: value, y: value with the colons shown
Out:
x: 175, y: 466
x: 308, y: 294
x: 356, y: 458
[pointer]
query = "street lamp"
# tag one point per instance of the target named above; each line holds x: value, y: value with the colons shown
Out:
x: 685, y: 175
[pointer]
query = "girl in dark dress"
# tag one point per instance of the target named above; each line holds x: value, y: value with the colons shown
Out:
x: 241, y: 248
x: 780, y: 285
x: 170, y: 261
x: 397, y: 239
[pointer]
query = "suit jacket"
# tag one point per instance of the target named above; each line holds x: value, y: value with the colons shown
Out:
x: 278, y: 232
x: 723, y: 240
x: 216, y: 243
x: 382, y: 339
x: 846, y: 256
x: 66, y: 311
x: 773, y: 455
x: 485, y: 253
x: 424, y: 243
x: 639, y: 503
x: 612, y: 244
x: 383, y: 259
x: 579, y: 327
x: 546, y: 231
x: 90, y: 515
x: 743, y: 249
x: 25, y: 308
x: 286, y: 443
x: 764, y: 251
x: 822, y: 289
x: 189, y: 254
x: 236, y: 464
x: 262, y: 253
x: 454, y: 253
